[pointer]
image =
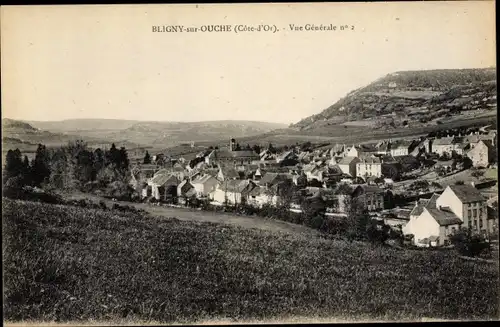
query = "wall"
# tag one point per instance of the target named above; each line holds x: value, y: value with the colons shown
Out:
x: 449, y: 199
x: 422, y: 227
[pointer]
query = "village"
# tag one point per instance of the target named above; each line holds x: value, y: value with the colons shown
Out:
x: 426, y: 188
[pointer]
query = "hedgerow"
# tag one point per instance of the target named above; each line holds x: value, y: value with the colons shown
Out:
x: 67, y: 263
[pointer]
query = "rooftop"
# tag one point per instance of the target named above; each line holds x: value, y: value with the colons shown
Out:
x: 444, y: 217
x: 467, y: 193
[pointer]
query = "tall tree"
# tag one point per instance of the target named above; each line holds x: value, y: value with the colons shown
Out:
x: 13, y: 164
x: 40, y: 167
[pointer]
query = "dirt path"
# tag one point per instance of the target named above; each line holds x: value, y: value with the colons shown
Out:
x: 206, y: 216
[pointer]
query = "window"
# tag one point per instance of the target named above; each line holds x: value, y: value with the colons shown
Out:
x: 470, y: 223
x: 480, y: 223
x: 469, y: 213
x: 474, y: 213
x: 469, y: 205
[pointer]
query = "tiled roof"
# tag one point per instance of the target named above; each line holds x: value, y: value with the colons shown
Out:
x: 370, y: 160
x: 467, y: 193
x: 431, y: 204
x: 443, y: 141
x: 419, y: 207
x: 444, y: 217
x: 371, y: 189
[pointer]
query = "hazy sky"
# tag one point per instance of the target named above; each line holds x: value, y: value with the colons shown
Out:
x: 105, y: 62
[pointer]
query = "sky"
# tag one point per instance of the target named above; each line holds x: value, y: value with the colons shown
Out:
x: 66, y: 62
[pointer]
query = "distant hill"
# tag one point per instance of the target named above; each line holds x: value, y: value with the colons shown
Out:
x: 410, y: 99
x: 162, y: 134
x: 72, y: 125
x: 22, y: 135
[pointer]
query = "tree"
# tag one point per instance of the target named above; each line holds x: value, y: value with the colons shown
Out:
x: 147, y: 158
x: 256, y: 148
x: 13, y: 164
x: 238, y: 147
x: 377, y: 232
x: 469, y: 243
x: 357, y: 218
x: 40, y: 166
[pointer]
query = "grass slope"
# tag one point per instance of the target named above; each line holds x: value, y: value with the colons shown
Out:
x: 68, y: 264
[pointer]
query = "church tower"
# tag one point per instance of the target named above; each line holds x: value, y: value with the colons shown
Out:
x: 232, y: 144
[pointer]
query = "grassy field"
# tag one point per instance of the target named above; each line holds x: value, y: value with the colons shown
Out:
x: 63, y: 263
x: 204, y: 216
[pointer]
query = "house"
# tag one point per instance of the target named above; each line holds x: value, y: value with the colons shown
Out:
x: 348, y: 165
x: 227, y: 173
x: 261, y: 195
x: 371, y: 196
x: 288, y: 157
x: 229, y: 157
x: 204, y: 185
x: 448, y: 145
x: 337, y: 199
x: 362, y: 150
x: 479, y: 153
x: 185, y: 189
x: 369, y: 167
x: 383, y: 148
x: 270, y: 179
x: 433, y: 227
x: 233, y: 191
x: 468, y: 204
x: 400, y: 149
x: 266, y: 155
x: 396, y: 218
x: 163, y: 186
x: 441, y: 215
x: 337, y: 150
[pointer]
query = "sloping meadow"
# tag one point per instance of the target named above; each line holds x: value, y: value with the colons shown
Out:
x: 64, y: 263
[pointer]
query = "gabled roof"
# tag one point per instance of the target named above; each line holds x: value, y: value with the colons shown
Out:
x: 419, y: 207
x: 431, y: 204
x: 236, y: 186
x: 271, y: 178
x: 201, y: 179
x: 347, y: 160
x: 444, y: 217
x: 229, y: 172
x: 164, y: 180
x: 467, y: 193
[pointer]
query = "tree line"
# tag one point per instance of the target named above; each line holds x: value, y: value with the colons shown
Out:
x: 73, y: 166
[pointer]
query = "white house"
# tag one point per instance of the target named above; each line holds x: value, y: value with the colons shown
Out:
x: 432, y: 227
x: 399, y: 149
x: 368, y: 167
x: 479, y: 154
x: 468, y: 204
x: 204, y: 185
x: 441, y: 215
x: 234, y: 191
x: 348, y: 165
